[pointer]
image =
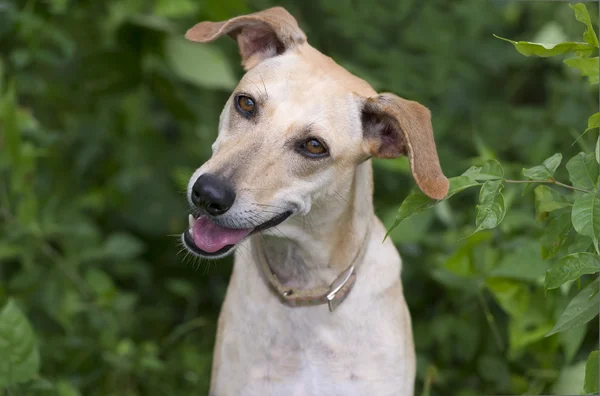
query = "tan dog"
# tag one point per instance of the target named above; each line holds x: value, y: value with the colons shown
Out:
x: 290, y: 182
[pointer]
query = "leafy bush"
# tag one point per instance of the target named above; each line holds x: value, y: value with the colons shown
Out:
x: 105, y: 111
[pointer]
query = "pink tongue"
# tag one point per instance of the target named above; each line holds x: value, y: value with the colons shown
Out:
x: 211, y: 238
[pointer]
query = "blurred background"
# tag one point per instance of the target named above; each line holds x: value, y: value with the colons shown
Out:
x: 114, y: 111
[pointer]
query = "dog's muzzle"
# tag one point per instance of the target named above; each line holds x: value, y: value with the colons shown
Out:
x: 207, y: 239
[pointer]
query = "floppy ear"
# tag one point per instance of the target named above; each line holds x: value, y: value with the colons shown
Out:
x: 260, y: 35
x: 393, y: 126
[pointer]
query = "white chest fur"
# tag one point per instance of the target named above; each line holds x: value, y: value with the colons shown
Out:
x: 365, y: 347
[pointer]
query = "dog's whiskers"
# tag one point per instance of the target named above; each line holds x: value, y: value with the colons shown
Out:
x: 262, y: 219
x: 258, y: 189
x: 267, y: 205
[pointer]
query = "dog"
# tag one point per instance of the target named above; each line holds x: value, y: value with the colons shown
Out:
x: 315, y: 303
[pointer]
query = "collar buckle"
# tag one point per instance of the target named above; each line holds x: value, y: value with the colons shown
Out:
x: 340, y: 287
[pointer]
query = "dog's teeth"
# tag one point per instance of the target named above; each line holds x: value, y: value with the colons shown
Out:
x: 191, y: 221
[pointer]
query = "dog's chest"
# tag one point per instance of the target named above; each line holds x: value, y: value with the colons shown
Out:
x: 277, y: 350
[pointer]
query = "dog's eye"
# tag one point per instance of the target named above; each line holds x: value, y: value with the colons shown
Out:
x: 313, y: 148
x: 245, y: 104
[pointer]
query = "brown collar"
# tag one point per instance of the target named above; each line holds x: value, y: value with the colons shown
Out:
x: 333, y: 295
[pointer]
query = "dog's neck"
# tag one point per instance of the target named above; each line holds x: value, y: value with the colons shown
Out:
x: 312, y: 250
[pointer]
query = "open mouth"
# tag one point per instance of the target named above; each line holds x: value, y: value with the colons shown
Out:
x: 208, y: 239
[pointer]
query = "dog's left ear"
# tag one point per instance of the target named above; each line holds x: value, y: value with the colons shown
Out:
x: 259, y: 36
x: 393, y: 126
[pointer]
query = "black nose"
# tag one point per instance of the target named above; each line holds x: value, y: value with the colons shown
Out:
x: 213, y: 194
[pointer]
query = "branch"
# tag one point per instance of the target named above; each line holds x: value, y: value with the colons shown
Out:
x: 549, y: 181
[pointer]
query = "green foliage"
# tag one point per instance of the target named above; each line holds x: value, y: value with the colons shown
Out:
x: 546, y: 50
x: 417, y: 201
x: 572, y: 267
x: 572, y: 214
x: 544, y: 171
x: 556, y: 235
x: 583, y: 171
x: 20, y: 356
x: 185, y: 56
x: 586, y: 216
x: 593, y: 123
x: 548, y: 200
x: 491, y: 208
x: 491, y: 170
x: 587, y: 66
x: 591, y: 373
x: 105, y: 112
x: 582, y: 15
x: 582, y: 308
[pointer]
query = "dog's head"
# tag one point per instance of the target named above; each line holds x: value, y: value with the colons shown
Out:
x: 292, y: 134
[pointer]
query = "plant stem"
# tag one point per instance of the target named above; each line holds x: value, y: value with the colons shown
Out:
x: 571, y: 187
x: 548, y: 181
x: 490, y: 319
x: 429, y: 379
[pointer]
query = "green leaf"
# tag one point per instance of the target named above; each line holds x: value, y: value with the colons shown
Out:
x: 492, y: 369
x: 175, y: 8
x: 491, y: 170
x: 154, y: 22
x: 582, y: 15
x: 400, y: 164
x: 448, y: 279
x: 221, y: 10
x: 180, y: 287
x: 202, y: 65
x: 417, y: 201
x: 491, y: 209
x: 8, y: 119
x: 99, y: 282
x: 460, y: 183
x: 569, y: 380
x: 544, y: 171
x: 8, y: 251
x: 122, y: 246
x: 531, y: 326
x: 555, y: 234
x: 412, y: 230
x: 18, y: 347
x: 548, y: 199
x: 590, y: 384
x: 581, y: 309
x: 571, y: 267
x: 64, y: 388
x: 512, y: 266
x: 593, y: 121
x: 512, y: 296
x: 571, y: 340
x: 460, y: 263
x: 583, y: 171
x: 586, y: 216
x: 580, y: 244
x: 598, y: 149
x: 525, y: 330
x: 587, y: 66
x: 545, y: 50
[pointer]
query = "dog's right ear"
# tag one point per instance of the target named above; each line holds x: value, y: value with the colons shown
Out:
x: 259, y: 36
